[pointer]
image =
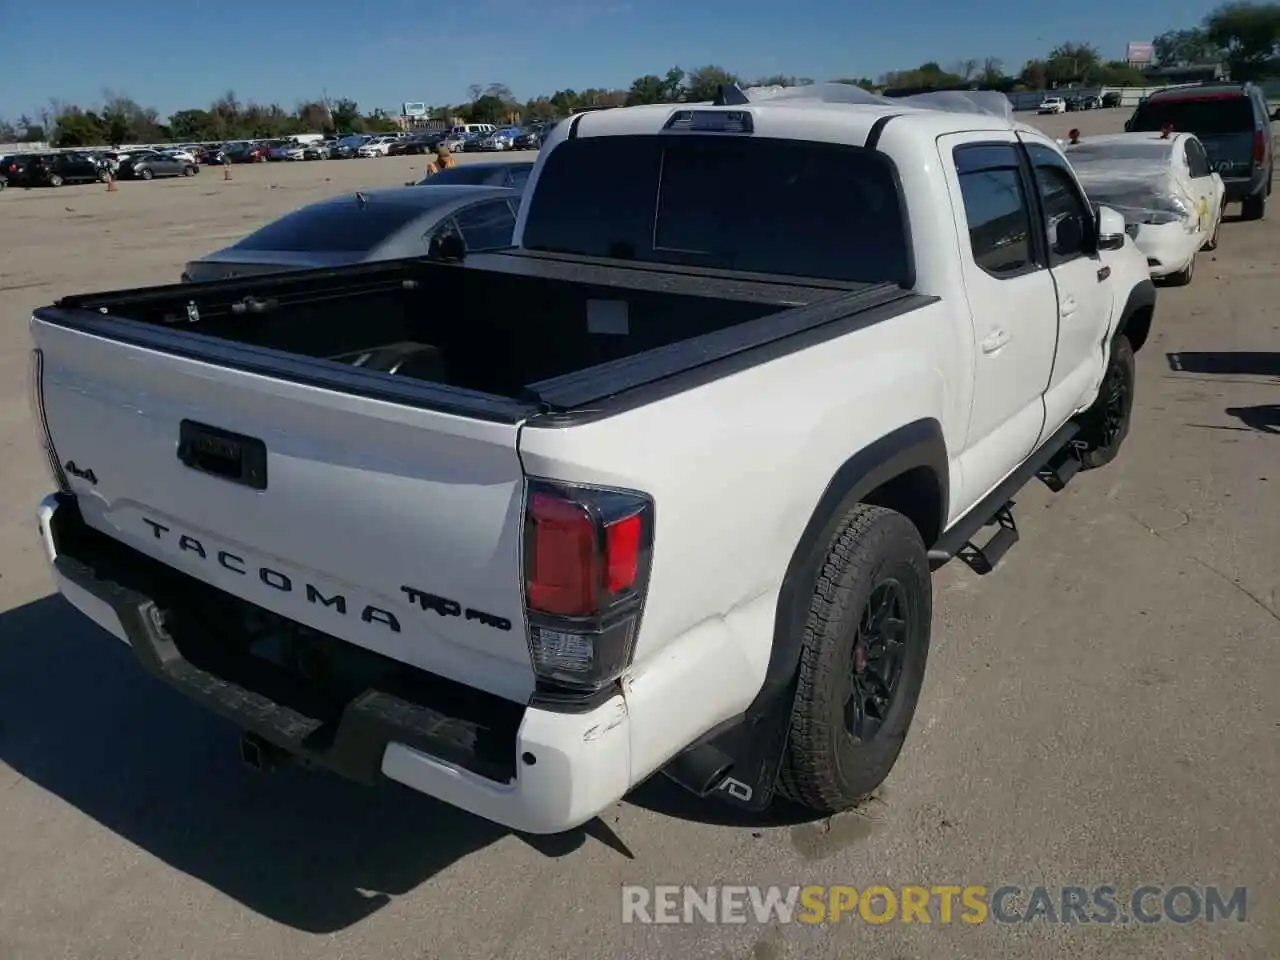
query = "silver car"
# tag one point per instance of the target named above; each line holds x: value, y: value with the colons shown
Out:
x: 385, y: 224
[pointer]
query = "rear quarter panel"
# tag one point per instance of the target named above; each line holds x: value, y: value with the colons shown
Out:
x: 736, y: 468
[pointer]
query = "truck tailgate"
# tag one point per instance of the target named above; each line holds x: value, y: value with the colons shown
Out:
x: 392, y: 527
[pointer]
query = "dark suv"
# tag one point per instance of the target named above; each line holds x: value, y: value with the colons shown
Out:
x: 55, y: 169
x: 1232, y: 121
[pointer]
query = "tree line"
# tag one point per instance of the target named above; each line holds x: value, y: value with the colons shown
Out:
x: 1245, y: 36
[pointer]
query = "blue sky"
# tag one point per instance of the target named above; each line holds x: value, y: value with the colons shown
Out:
x: 381, y: 53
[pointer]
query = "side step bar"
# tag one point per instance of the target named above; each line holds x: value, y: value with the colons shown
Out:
x: 1055, y: 463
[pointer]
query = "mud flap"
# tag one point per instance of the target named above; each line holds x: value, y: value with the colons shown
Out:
x: 756, y: 744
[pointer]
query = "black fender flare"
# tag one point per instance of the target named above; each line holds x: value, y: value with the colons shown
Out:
x: 755, y: 741
x: 1142, y: 296
x: 917, y: 444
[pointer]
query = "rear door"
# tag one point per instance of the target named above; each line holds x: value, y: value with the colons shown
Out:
x: 1012, y: 303
x: 391, y: 526
x: 1084, y: 287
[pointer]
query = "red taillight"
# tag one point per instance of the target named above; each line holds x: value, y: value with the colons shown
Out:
x: 565, y: 560
x: 1259, y: 148
x: 586, y: 564
x: 622, y: 552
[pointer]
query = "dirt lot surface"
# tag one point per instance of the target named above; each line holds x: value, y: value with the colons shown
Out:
x: 1102, y: 710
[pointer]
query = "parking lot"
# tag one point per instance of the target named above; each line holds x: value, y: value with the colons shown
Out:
x: 1103, y: 709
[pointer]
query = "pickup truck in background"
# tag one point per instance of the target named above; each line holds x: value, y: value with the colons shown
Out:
x: 666, y: 500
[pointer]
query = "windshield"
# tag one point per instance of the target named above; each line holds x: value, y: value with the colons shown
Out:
x: 821, y: 210
x: 1201, y: 116
x: 334, y: 226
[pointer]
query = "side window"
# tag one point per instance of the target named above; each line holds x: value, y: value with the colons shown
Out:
x: 996, y: 208
x: 487, y: 226
x: 1068, y: 216
x: 1197, y: 159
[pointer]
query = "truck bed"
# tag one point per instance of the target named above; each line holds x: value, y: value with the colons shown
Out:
x: 500, y: 332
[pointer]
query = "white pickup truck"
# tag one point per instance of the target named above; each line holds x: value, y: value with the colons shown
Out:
x: 666, y: 499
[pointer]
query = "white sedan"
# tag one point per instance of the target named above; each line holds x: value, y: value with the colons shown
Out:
x: 376, y: 147
x: 1052, y: 105
x: 1171, y: 201
x: 179, y: 153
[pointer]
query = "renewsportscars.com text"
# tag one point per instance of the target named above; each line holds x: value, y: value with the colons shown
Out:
x: 940, y: 904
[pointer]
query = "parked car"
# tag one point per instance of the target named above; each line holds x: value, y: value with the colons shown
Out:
x: 454, y: 141
x: 286, y: 150
x: 15, y: 169
x: 416, y: 145
x: 500, y: 139
x: 530, y: 138
x: 55, y: 169
x: 348, y: 146
x: 378, y: 146
x: 318, y: 150
x: 1171, y: 200
x: 1111, y: 99
x: 246, y: 151
x: 513, y: 174
x: 524, y: 562
x: 180, y: 153
x: 373, y: 225
x: 149, y: 164
x: 1052, y: 105
x: 209, y: 155
x: 1233, y: 123
x: 1083, y: 101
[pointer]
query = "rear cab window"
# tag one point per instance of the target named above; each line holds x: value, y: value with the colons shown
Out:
x: 1201, y: 114
x: 816, y: 210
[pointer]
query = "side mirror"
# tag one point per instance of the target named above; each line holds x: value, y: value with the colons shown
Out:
x: 1110, y: 229
x: 1275, y: 115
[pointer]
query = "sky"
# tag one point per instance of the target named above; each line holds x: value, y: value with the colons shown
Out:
x: 383, y: 52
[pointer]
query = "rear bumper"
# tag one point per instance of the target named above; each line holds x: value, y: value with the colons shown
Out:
x: 532, y: 770
x: 1237, y: 188
x: 1167, y: 246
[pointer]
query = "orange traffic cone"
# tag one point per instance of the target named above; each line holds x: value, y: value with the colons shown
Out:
x: 111, y: 183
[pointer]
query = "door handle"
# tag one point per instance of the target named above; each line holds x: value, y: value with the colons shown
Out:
x: 995, y: 340
x: 1067, y: 308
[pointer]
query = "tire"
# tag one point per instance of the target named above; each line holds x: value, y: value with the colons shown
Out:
x: 1104, y: 426
x: 1254, y: 207
x: 145, y: 173
x: 55, y: 180
x: 837, y: 753
x: 1182, y: 277
x: 188, y: 171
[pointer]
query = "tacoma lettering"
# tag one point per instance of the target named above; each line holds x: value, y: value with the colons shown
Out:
x: 282, y: 582
x: 275, y: 579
